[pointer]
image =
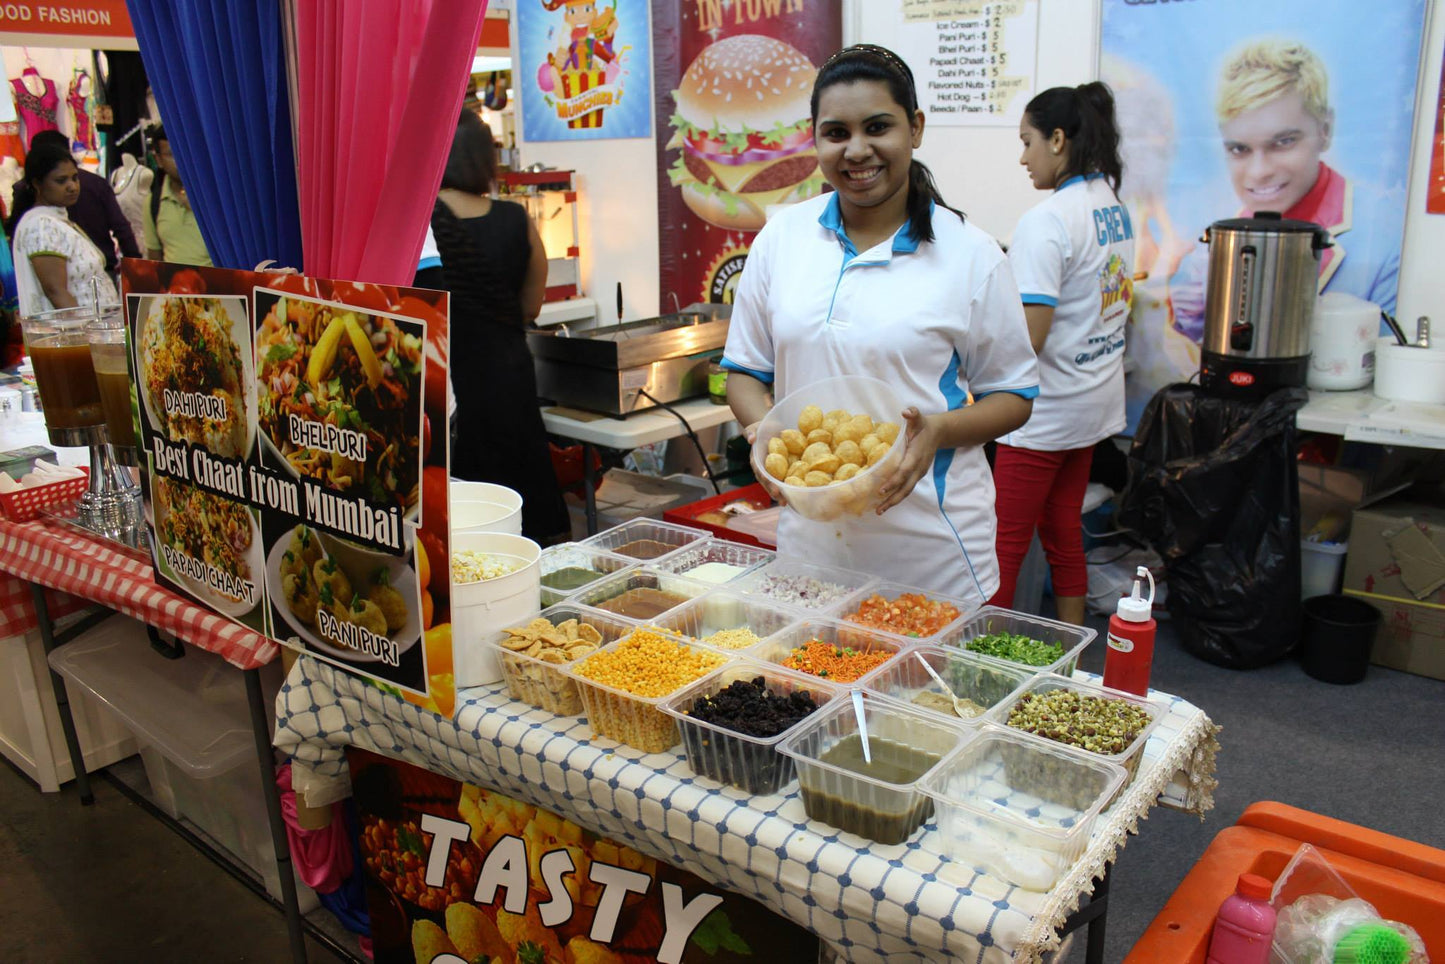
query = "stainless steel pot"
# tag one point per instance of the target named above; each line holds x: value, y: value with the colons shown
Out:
x: 1263, y: 277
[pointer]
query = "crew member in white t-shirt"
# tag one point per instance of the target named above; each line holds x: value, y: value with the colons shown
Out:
x: 1073, y: 256
x: 881, y: 278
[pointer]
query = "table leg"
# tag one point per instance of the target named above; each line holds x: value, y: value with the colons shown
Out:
x: 589, y: 492
x: 62, y: 699
x: 260, y: 725
x: 1094, y: 952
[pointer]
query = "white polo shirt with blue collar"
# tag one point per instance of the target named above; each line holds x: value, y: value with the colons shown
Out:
x: 1074, y: 251
x: 938, y: 321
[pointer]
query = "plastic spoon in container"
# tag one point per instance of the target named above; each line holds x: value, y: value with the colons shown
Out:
x: 961, y: 711
x: 862, y: 725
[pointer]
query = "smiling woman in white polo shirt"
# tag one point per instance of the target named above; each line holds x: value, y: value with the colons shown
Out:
x: 881, y: 278
x: 1073, y: 255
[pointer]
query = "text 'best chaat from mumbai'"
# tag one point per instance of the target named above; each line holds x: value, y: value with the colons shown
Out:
x: 192, y: 375
x: 339, y: 398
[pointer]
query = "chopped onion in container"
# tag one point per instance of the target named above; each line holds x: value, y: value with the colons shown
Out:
x: 471, y: 565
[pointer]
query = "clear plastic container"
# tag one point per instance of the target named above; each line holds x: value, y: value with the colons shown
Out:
x: 857, y: 395
x: 992, y: 619
x: 749, y: 763
x: 722, y: 610
x: 890, y: 591
x: 631, y: 719
x: 645, y: 540
x: 714, y: 554
x: 776, y: 648
x: 821, y: 590
x: 639, y: 595
x: 905, y: 745
x: 1130, y: 756
x: 986, y: 684
x: 1018, y: 807
x: 570, y: 555
x: 541, y: 682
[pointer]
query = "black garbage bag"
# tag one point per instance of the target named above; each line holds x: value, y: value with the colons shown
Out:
x: 1214, y: 490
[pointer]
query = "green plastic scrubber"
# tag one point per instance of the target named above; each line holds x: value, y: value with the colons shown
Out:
x: 1372, y: 944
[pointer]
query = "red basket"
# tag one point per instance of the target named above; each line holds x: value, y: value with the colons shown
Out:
x: 687, y: 515
x: 22, y: 505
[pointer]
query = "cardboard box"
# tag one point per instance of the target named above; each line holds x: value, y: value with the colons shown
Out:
x: 1328, y: 494
x: 1396, y: 562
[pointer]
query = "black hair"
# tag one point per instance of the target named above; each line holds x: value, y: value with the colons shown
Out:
x: 1086, y: 116
x: 39, y: 163
x: 870, y: 62
x: 472, y: 162
x: 50, y: 137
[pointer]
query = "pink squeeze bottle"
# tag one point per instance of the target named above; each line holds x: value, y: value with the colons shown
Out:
x: 1245, y: 925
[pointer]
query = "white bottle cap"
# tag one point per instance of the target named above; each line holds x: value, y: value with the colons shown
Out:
x: 1134, y: 608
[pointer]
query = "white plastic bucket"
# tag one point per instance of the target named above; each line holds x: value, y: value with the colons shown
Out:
x: 480, y: 609
x: 469, y: 516
x: 1321, y: 565
x: 462, y: 490
x: 859, y: 396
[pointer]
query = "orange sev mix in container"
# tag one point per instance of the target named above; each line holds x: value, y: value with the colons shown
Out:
x: 841, y: 664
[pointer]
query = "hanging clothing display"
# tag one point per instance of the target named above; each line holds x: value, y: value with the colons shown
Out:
x: 81, y: 100
x: 36, y: 102
x: 124, y: 86
x: 10, y: 174
x: 10, y: 145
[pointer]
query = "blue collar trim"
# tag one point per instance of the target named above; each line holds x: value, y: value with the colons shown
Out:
x: 1079, y: 177
x: 832, y: 218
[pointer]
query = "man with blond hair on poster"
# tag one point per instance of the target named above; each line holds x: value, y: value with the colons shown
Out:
x: 1276, y: 124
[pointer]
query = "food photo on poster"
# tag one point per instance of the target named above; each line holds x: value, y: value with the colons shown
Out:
x: 458, y: 872
x: 585, y: 68
x: 1230, y: 108
x: 735, y: 131
x: 286, y: 429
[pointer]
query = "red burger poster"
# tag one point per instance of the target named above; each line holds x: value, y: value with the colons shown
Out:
x: 733, y: 82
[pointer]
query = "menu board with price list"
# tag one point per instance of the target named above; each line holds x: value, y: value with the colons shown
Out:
x: 973, y: 60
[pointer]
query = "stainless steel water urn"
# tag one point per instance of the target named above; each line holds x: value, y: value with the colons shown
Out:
x: 1259, y: 301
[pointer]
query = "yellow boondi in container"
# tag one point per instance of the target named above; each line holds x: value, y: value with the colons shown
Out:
x: 648, y: 665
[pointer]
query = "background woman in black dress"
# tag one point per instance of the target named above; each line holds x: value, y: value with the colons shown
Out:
x: 496, y: 270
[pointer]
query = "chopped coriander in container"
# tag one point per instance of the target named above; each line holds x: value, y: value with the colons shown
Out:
x: 1018, y: 639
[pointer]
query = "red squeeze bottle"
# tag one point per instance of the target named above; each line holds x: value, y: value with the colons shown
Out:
x: 1131, y: 640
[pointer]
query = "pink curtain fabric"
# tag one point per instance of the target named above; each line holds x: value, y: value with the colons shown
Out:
x: 379, y: 87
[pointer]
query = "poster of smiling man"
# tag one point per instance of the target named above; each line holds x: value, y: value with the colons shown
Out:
x: 1230, y: 107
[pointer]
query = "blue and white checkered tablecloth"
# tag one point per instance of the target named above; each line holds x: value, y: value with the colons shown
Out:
x: 870, y: 902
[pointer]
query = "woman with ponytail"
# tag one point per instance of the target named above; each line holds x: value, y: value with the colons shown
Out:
x: 1073, y: 255
x: 881, y: 278
x: 55, y: 262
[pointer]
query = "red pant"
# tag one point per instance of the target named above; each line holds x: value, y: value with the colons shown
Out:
x: 1043, y: 490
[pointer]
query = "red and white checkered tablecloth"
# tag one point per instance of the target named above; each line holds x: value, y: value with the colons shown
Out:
x: 86, y: 568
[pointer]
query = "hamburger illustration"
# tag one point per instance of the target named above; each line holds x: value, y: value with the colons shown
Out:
x: 743, y: 128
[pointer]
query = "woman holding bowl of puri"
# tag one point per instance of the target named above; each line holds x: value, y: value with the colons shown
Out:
x: 882, y: 279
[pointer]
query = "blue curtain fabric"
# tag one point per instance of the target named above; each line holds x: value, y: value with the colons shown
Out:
x: 218, y: 70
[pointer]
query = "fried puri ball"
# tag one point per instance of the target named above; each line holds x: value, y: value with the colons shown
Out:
x: 863, y: 423
x: 776, y: 446
x: 849, y: 453
x: 391, y: 603
x: 305, y: 546
x: 816, y: 451
x: 328, y: 574
x: 302, y: 596
x: 366, y: 614
x: 796, y: 480
x: 846, y: 471
x: 828, y: 463
x: 816, y: 480
x: 820, y: 435
x: 869, y: 442
x: 776, y: 465
x: 810, y: 418
x: 886, y: 431
x: 847, y: 432
x: 879, y: 451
